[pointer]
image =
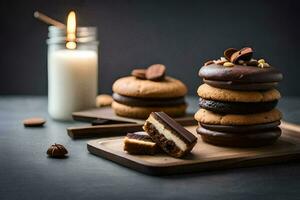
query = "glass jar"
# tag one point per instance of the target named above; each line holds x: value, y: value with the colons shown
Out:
x: 72, y: 73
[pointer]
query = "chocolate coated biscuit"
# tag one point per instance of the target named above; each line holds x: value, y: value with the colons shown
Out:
x: 240, y: 74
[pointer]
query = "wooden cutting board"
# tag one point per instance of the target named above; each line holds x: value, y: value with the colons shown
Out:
x: 121, y: 126
x: 203, y: 156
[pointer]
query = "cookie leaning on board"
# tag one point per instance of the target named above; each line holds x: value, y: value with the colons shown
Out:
x: 238, y: 100
x: 164, y: 132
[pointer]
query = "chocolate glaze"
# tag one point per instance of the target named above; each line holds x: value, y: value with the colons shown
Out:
x: 265, y: 137
x: 181, y: 132
x: 223, y: 107
x: 232, y: 85
x: 240, y: 74
x: 148, y: 102
x: 240, y: 129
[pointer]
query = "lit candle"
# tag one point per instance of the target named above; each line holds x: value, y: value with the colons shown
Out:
x: 72, y: 76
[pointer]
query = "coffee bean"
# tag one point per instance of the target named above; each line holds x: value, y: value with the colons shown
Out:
x: 156, y: 72
x: 57, y: 151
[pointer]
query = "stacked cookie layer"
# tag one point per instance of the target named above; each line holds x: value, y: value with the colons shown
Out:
x: 238, y: 102
x: 136, y: 96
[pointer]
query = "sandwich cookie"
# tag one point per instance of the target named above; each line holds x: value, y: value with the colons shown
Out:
x: 237, y: 70
x: 149, y: 90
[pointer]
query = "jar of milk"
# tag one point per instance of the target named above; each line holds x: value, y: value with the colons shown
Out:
x: 72, y: 73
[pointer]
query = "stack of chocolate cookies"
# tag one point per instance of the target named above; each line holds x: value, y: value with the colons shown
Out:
x: 149, y: 90
x: 238, y: 100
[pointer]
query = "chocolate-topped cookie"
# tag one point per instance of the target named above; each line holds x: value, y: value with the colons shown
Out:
x: 239, y: 71
x: 240, y: 77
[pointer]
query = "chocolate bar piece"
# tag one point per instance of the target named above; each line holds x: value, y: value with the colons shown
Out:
x: 140, y: 143
x: 169, y: 135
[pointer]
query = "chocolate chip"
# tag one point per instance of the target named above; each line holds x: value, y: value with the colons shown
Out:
x: 139, y: 73
x: 156, y: 72
x: 57, y: 151
x: 228, y: 53
x: 34, y: 122
x: 243, y: 54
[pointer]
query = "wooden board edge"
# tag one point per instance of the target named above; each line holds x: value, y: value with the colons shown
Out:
x: 162, y: 170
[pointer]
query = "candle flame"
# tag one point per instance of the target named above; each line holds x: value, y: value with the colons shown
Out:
x: 71, y: 31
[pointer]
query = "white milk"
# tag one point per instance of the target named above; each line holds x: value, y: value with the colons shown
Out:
x: 72, y: 82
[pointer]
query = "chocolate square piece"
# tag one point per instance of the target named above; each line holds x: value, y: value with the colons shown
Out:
x: 140, y: 143
x: 169, y: 135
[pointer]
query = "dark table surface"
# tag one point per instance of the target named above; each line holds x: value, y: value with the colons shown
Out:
x: 27, y: 173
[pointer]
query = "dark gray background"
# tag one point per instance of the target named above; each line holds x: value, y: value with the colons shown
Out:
x: 180, y: 34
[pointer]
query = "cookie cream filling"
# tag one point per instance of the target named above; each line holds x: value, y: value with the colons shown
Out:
x: 167, y: 133
x: 140, y: 142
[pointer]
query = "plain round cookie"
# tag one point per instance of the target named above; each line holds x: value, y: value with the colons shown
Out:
x: 208, y: 117
x: 144, y: 112
x: 133, y: 87
x: 208, y: 92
